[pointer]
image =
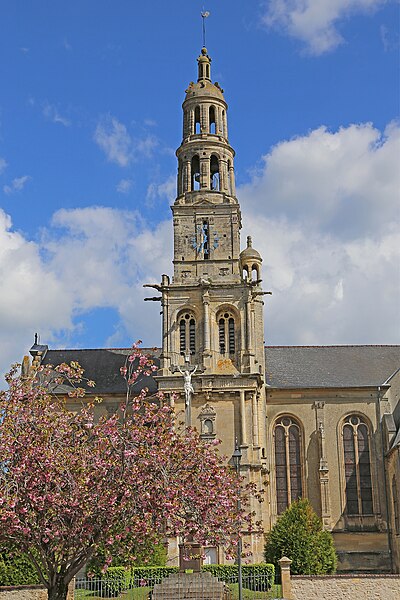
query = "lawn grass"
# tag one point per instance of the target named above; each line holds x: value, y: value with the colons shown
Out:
x: 274, y: 592
x: 141, y: 593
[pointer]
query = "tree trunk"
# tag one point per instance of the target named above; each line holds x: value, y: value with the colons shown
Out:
x: 58, y: 591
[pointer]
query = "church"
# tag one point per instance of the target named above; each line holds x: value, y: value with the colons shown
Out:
x: 321, y: 422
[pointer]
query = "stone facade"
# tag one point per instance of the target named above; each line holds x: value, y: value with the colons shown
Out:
x: 316, y: 422
x: 213, y: 306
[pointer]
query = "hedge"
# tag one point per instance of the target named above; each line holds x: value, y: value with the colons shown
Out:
x: 16, y: 569
x: 230, y: 573
x: 119, y: 577
x: 115, y: 580
x: 154, y: 574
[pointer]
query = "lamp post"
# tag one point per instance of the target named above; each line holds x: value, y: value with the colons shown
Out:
x: 236, y: 458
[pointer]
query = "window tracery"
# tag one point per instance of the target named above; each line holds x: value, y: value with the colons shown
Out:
x: 187, y: 333
x: 357, y: 466
x: 226, y: 333
x: 288, y: 455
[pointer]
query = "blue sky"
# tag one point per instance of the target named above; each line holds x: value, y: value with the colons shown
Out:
x: 90, y: 117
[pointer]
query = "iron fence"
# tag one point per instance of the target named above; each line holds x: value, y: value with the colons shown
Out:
x: 196, y: 586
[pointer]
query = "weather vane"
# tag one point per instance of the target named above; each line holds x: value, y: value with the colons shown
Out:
x: 204, y: 15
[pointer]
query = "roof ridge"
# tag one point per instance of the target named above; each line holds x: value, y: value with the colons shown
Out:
x: 337, y: 346
x: 99, y: 349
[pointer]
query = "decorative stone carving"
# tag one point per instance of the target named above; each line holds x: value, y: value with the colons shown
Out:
x: 207, y: 418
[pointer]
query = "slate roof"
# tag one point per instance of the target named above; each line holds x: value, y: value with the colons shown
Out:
x: 103, y: 367
x: 286, y: 366
x: 330, y: 366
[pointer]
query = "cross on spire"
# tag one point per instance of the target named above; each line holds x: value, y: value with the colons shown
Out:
x: 204, y: 15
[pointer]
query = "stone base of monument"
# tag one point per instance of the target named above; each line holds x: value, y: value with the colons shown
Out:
x: 191, y: 586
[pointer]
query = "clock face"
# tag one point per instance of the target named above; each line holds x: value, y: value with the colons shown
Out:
x: 202, y: 241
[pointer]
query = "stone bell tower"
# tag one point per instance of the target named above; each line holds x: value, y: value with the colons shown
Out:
x: 212, y: 309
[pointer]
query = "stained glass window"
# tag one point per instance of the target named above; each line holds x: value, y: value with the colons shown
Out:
x: 288, y: 471
x: 357, y: 467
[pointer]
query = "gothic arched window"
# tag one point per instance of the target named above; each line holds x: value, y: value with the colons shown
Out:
x: 288, y: 452
x: 211, y: 113
x: 187, y: 333
x: 226, y: 333
x: 195, y: 183
x: 214, y: 173
x: 197, y: 125
x: 357, y: 466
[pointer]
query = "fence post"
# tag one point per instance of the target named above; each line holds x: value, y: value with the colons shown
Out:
x: 71, y: 589
x: 284, y: 564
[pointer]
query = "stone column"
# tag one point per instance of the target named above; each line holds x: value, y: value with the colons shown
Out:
x: 204, y: 172
x: 243, y: 423
x: 187, y: 176
x: 249, y: 339
x: 223, y: 175
x: 326, y: 512
x: 255, y: 420
x: 191, y: 122
x: 232, y: 179
x: 179, y: 178
x: 206, y: 317
x: 284, y: 564
x: 219, y: 124
x: 204, y: 120
x: 225, y: 125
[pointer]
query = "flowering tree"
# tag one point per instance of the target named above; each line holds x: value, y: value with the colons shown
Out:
x: 70, y: 482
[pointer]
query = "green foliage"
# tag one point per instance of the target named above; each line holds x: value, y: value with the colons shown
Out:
x: 150, y: 554
x: 266, y: 572
x: 3, y: 574
x: 140, y: 575
x: 298, y: 534
x: 115, y: 580
x: 16, y: 569
x: 119, y: 578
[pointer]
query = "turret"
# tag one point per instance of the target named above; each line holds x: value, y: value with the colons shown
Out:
x: 205, y: 158
x: 250, y: 262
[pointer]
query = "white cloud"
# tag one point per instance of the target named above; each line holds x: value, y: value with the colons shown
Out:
x: 114, y: 139
x: 32, y: 299
x: 124, y: 186
x: 323, y: 212
x: 17, y: 185
x: 3, y: 165
x: 315, y: 22
x: 166, y: 189
x: 145, y: 147
x: 51, y: 113
x: 46, y: 287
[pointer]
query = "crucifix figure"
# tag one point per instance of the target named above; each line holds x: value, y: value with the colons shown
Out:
x: 187, y: 373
